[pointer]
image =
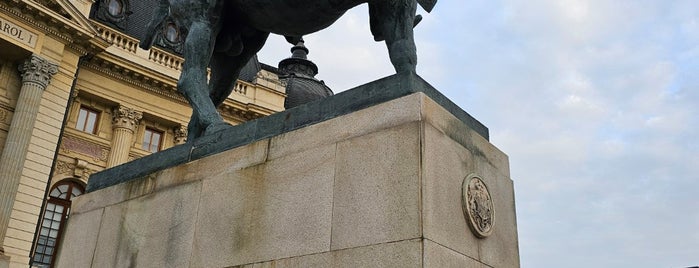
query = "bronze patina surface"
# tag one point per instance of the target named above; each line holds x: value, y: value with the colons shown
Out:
x: 224, y: 35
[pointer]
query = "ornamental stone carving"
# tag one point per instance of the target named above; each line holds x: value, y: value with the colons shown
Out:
x: 37, y: 70
x: 180, y: 134
x: 64, y: 167
x: 78, y: 145
x: 477, y: 206
x: 78, y: 169
x: 3, y: 116
x: 75, y: 93
x: 124, y: 117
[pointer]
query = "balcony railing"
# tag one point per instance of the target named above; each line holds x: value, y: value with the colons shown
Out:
x: 130, y: 45
x: 117, y: 39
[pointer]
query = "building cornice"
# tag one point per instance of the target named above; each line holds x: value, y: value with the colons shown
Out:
x: 156, y: 83
x: 81, y: 37
x: 245, y: 111
x: 142, y: 78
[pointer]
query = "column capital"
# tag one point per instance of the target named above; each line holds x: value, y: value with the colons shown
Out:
x: 180, y: 134
x: 124, y: 117
x: 75, y: 93
x: 37, y: 70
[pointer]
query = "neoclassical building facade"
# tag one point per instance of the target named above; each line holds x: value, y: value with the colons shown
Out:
x: 77, y: 96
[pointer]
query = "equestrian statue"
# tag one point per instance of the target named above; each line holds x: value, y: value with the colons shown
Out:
x: 225, y: 34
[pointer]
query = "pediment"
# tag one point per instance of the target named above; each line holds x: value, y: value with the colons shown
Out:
x: 55, y: 7
x: 66, y: 13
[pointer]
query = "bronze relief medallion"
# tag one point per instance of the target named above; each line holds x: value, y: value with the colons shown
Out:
x: 477, y: 205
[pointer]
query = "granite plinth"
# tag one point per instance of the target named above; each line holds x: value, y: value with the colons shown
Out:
x: 376, y: 187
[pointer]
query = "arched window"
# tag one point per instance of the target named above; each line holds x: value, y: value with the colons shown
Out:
x: 55, y: 214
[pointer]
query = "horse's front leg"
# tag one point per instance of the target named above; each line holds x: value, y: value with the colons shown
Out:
x: 197, y: 51
x: 396, y: 19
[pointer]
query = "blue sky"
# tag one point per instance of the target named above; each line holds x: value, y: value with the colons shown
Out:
x: 596, y: 103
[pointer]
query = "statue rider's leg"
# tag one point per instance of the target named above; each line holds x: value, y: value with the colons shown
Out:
x: 398, y: 20
x: 193, y: 83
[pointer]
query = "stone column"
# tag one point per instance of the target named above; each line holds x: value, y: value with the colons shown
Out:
x: 180, y: 134
x: 124, y: 123
x: 36, y: 73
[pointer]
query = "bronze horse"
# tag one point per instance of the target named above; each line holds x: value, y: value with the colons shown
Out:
x: 225, y: 34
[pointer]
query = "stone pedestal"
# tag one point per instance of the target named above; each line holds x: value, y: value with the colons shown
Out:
x: 378, y: 186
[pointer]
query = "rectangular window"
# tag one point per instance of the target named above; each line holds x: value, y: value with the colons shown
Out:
x: 152, y: 140
x: 87, y: 120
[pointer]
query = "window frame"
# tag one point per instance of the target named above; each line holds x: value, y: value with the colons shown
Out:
x: 121, y: 13
x: 120, y: 6
x: 167, y: 28
x: 89, y: 111
x: 64, y: 215
x: 151, y: 131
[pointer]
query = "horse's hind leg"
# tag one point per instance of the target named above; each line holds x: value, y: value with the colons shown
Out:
x: 225, y: 69
x: 226, y: 66
x: 396, y: 19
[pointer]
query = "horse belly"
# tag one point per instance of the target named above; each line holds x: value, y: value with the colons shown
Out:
x: 288, y: 17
